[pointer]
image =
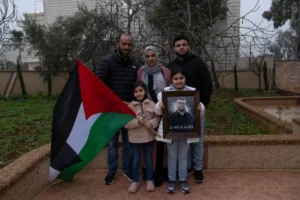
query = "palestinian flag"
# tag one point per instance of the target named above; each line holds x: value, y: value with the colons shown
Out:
x: 86, y: 116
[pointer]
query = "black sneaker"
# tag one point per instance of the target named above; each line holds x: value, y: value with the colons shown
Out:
x: 185, y: 188
x: 128, y: 175
x: 171, y: 187
x: 109, y: 179
x: 199, y: 178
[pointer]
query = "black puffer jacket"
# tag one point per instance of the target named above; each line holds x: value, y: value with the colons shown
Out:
x: 197, y: 75
x: 118, y: 75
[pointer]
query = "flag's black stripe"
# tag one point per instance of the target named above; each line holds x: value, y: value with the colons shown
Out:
x: 65, y: 158
x: 65, y: 113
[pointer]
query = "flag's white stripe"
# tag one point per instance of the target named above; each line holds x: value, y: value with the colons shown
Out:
x: 53, y: 173
x: 81, y: 130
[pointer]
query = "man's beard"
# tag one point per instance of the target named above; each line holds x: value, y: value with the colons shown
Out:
x: 182, y: 55
x: 181, y: 110
x: 124, y: 55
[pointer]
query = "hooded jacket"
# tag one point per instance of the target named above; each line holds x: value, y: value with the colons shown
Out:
x: 139, y: 133
x: 197, y: 75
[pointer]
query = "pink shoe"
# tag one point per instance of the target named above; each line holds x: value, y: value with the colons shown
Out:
x: 150, y: 186
x: 133, y: 187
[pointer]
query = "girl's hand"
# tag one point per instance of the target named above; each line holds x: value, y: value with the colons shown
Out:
x: 142, y: 120
x: 148, y: 125
x: 161, y: 105
x: 199, y: 107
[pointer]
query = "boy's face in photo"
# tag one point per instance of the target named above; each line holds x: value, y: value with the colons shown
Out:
x: 180, y: 104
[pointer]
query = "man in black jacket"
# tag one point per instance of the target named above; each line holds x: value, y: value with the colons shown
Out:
x: 197, y: 76
x: 119, y: 71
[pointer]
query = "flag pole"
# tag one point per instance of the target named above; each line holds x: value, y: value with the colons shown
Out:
x: 154, y: 132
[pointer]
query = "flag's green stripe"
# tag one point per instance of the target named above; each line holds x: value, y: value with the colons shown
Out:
x: 104, y: 128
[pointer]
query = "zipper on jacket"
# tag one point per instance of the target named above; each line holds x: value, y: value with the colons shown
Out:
x: 143, y: 114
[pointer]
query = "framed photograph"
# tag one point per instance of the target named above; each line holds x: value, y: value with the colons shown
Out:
x: 181, y: 118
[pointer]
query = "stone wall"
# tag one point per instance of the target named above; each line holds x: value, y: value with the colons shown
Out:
x: 34, y: 82
x: 27, y: 176
x: 287, y: 74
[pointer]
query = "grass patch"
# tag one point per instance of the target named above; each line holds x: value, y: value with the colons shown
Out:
x: 222, y: 118
x: 25, y: 124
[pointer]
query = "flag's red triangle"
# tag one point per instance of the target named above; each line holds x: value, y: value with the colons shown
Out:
x: 96, y: 96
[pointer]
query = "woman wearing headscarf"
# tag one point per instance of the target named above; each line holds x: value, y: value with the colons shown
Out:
x: 156, y: 77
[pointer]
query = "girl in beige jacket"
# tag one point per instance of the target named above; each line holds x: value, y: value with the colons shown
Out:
x: 140, y: 135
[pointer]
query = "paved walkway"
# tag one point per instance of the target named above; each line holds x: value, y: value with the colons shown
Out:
x: 219, y: 185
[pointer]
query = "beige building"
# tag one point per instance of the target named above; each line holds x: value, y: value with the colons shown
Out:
x: 225, y: 50
x: 11, y: 51
x: 54, y: 8
x: 123, y: 8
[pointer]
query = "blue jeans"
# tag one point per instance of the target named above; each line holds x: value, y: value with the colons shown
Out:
x: 198, y: 150
x: 177, y: 151
x: 112, y: 153
x: 136, y: 160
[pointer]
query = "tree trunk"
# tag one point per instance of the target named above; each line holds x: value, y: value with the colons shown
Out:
x: 49, y: 84
x: 215, y: 76
x: 129, y: 18
x: 213, y: 70
x: 68, y: 65
x: 265, y: 74
x: 259, y: 80
x: 188, y: 5
x: 20, y: 76
x: 236, y: 87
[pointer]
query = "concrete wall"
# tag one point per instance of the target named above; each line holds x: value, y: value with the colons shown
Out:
x: 287, y: 74
x: 243, y: 62
x: 263, y: 119
x: 4, y: 80
x: 34, y: 82
x: 246, y: 79
x: 26, y: 177
x: 262, y: 157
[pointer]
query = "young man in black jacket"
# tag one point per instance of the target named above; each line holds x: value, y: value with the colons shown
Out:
x: 119, y: 71
x: 197, y: 76
x: 181, y: 120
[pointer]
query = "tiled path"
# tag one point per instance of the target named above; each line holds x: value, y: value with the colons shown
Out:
x: 219, y: 185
